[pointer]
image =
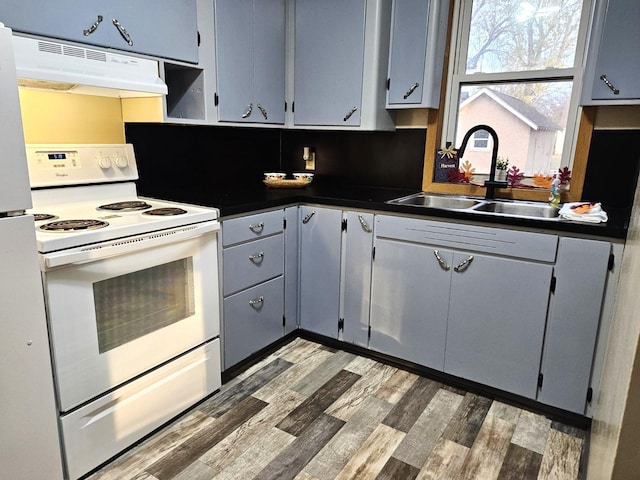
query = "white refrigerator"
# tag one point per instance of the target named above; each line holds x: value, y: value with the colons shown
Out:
x: 29, y: 439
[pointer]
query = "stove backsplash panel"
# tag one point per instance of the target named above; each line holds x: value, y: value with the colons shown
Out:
x: 183, y: 163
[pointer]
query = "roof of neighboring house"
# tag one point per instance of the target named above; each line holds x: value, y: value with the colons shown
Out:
x: 526, y: 113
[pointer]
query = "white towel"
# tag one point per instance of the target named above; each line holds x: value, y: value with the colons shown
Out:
x: 594, y: 215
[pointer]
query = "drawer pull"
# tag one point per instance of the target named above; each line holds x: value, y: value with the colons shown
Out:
x: 257, y: 302
x: 463, y: 265
x: 123, y: 32
x: 412, y: 88
x: 611, y: 86
x: 93, y: 27
x: 365, y: 226
x: 306, y: 219
x: 263, y: 111
x: 257, y: 228
x: 248, y: 111
x: 442, y: 263
x: 256, y: 257
x: 349, y: 113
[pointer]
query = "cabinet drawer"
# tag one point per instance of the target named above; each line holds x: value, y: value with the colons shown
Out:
x: 251, y: 227
x: 497, y: 241
x: 252, y: 263
x: 252, y: 320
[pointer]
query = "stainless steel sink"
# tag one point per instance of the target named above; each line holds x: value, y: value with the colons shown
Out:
x: 437, y: 201
x: 517, y: 209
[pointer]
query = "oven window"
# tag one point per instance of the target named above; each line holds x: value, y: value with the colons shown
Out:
x: 133, y: 305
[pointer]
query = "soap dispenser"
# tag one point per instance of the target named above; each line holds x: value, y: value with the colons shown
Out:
x: 554, y: 194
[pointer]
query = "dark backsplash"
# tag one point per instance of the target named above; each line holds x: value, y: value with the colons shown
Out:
x: 233, y: 157
x: 612, y: 168
x: 227, y: 158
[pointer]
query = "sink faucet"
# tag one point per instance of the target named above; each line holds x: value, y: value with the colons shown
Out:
x: 491, y: 184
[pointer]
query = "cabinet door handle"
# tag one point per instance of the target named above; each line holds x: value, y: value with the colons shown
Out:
x: 248, y: 112
x: 123, y: 32
x: 306, y: 219
x: 464, y: 264
x: 412, y: 89
x: 442, y: 263
x: 256, y: 256
x: 349, y: 113
x: 257, y: 302
x: 257, y: 228
x: 611, y: 86
x: 93, y: 27
x: 263, y: 111
x: 365, y: 226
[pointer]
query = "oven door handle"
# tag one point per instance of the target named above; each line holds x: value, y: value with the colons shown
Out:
x: 92, y: 253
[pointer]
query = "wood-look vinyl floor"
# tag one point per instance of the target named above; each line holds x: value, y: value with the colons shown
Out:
x: 308, y: 412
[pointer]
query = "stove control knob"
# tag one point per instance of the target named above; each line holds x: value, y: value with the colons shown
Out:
x: 104, y: 162
x: 122, y: 162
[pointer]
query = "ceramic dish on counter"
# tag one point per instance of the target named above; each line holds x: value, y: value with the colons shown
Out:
x: 274, y: 176
x: 300, y: 180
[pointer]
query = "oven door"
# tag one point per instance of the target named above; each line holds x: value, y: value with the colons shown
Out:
x: 119, y: 309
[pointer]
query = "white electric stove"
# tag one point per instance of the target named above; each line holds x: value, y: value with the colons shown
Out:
x: 131, y: 286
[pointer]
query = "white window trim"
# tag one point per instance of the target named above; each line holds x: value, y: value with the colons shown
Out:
x: 457, y: 63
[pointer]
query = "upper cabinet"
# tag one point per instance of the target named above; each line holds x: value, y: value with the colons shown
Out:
x: 162, y: 28
x: 418, y: 38
x: 250, y: 60
x: 340, y: 63
x: 612, y: 74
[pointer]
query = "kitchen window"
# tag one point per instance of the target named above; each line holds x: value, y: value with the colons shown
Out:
x: 517, y: 67
x: 480, y: 140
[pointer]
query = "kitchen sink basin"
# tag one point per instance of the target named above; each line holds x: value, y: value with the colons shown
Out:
x: 437, y: 201
x: 518, y: 209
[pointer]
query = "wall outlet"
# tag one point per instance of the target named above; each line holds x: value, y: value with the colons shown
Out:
x: 310, y: 163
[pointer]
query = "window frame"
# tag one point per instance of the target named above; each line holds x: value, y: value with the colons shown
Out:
x: 457, y: 76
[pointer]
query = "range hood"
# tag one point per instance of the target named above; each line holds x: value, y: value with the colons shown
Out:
x: 57, y: 66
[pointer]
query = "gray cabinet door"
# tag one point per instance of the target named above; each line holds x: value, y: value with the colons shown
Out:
x: 252, y: 320
x: 162, y: 28
x: 320, y: 252
x: 357, y: 277
x: 497, y: 315
x: 64, y: 19
x: 250, y: 56
x: 269, y: 61
x: 291, y: 269
x: 581, y: 273
x: 618, y: 57
x: 329, y: 60
x: 408, y: 51
x: 234, y: 57
x: 409, y: 302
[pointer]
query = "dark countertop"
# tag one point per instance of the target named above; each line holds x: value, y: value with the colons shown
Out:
x: 240, y: 201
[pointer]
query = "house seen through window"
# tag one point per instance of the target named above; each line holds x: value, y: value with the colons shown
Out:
x: 517, y: 68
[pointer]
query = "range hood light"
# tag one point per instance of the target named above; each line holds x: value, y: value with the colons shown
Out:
x: 46, y: 85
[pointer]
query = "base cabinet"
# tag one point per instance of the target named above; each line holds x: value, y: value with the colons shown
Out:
x: 410, y: 302
x: 320, y: 254
x: 496, y: 321
x: 574, y: 318
x: 356, y: 280
x: 253, y: 267
x: 252, y: 320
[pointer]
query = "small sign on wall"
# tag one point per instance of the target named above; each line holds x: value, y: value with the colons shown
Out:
x: 446, y: 160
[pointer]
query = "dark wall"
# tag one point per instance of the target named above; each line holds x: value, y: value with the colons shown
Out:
x: 173, y: 159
